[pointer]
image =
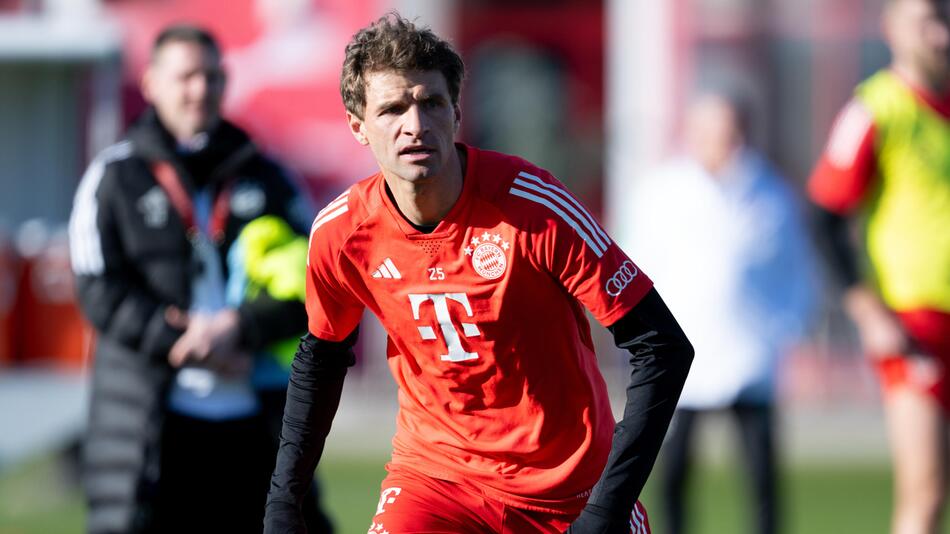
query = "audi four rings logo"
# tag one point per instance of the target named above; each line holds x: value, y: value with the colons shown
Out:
x: 621, y: 279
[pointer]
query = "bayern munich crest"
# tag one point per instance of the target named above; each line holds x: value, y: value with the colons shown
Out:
x: 488, y: 255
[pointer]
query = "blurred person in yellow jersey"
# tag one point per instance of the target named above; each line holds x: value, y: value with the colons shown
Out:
x: 887, y: 166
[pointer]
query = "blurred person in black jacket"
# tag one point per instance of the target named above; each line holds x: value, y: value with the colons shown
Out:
x: 179, y: 439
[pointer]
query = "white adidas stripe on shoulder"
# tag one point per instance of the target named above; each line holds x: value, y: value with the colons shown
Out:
x: 331, y: 211
x: 566, y: 199
x: 85, y: 242
x: 562, y: 203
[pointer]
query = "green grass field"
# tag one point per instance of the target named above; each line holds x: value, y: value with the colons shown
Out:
x: 839, y: 499
x: 817, y: 500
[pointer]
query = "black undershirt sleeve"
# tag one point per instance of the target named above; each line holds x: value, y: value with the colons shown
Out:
x: 832, y: 233
x: 265, y: 319
x: 660, y: 357
x: 313, y: 395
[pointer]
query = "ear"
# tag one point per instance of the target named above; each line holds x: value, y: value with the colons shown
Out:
x: 147, y: 83
x: 357, y: 128
x: 458, y: 116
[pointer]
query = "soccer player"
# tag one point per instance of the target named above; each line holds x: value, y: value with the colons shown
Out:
x: 888, y: 163
x: 479, y: 265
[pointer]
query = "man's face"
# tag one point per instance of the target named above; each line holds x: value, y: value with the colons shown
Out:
x: 185, y: 83
x: 409, y: 123
x: 917, y: 32
x: 712, y: 132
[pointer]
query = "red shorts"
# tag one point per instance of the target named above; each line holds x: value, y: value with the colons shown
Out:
x: 412, y: 503
x: 930, y: 332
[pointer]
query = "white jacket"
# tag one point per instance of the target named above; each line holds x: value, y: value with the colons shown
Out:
x: 732, y: 259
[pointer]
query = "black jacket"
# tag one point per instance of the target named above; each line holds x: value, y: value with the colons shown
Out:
x: 132, y: 260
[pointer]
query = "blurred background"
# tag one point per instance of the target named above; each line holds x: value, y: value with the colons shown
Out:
x: 593, y: 90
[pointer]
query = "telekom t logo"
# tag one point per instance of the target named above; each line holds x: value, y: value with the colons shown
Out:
x: 442, y: 315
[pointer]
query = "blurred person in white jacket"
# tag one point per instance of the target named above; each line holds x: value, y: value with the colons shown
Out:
x: 722, y: 234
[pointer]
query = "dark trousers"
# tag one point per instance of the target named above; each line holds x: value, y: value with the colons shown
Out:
x: 215, y: 476
x: 756, y: 430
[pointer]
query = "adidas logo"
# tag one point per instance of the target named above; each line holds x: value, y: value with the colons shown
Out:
x: 387, y: 270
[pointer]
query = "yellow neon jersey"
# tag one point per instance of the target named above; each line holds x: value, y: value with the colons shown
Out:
x: 889, y: 156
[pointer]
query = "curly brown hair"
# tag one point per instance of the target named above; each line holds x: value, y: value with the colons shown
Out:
x: 394, y: 43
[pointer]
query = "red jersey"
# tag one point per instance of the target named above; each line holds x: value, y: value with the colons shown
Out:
x: 846, y: 169
x: 488, y: 340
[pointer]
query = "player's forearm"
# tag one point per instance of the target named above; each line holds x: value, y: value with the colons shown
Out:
x: 265, y: 319
x: 312, y: 399
x: 313, y: 395
x: 660, y: 355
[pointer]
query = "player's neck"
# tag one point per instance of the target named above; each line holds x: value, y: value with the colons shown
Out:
x: 427, y: 202
x: 935, y: 85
